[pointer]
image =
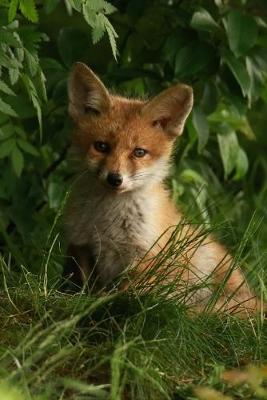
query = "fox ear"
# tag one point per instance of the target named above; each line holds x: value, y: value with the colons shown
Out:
x: 86, y: 92
x: 170, y: 109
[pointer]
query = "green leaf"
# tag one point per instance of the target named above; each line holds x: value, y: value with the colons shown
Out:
x: 89, y: 15
x: 210, y: 97
x: 76, y: 4
x: 96, y: 19
x: 7, y: 109
x: 27, y: 147
x: 33, y: 95
x: 50, y: 5
x: 32, y: 62
x: 13, y: 75
x: 6, y: 147
x: 201, y: 126
x: 229, y: 149
x: 55, y: 194
x: 12, y: 11
x: 257, y: 78
x: 112, y: 39
x: 239, y: 71
x: 67, y: 45
x: 203, y: 21
x: 40, y: 84
x: 8, y: 61
x: 189, y: 175
x: 192, y: 58
x: 17, y: 160
x: 101, y: 6
x: 242, y: 164
x: 6, y: 89
x: 97, y: 33
x: 28, y: 9
x: 19, y: 52
x: 9, y: 38
x: 242, y: 32
x: 235, y: 120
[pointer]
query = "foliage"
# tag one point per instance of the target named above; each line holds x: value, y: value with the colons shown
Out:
x: 138, y: 47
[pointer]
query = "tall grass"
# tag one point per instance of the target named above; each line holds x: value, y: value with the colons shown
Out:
x: 139, y: 344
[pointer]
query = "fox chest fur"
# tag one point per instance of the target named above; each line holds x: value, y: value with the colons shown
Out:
x: 117, y: 230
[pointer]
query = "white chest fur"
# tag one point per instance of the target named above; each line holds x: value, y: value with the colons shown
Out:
x: 118, y: 228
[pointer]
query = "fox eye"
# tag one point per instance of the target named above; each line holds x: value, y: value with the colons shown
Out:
x: 102, y: 147
x: 138, y: 152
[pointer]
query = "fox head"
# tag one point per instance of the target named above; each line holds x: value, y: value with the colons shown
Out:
x: 125, y: 143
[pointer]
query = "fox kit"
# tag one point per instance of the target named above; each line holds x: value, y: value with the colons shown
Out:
x: 119, y: 213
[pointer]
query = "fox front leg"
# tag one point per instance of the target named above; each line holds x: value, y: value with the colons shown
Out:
x: 79, y: 267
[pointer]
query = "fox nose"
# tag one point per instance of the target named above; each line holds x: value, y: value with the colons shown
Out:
x: 114, y: 179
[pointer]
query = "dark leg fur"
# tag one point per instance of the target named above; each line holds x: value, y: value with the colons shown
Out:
x: 78, y: 269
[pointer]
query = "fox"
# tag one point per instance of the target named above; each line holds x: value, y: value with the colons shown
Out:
x: 120, y: 215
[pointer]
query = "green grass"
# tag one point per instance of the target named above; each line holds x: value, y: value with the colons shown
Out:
x: 130, y: 345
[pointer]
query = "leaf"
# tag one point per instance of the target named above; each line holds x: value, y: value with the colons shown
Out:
x: 200, y: 123
x: 97, y: 33
x: 27, y: 147
x: 17, y: 160
x: 109, y: 8
x: 33, y: 95
x: 6, y: 89
x: 9, y: 38
x: 19, y: 52
x: 192, y: 58
x: 229, y: 149
x: 67, y: 45
x: 6, y: 147
x: 40, y: 84
x: 242, y: 32
x: 189, y: 175
x: 32, y: 62
x: 203, y: 21
x: 239, y: 71
x: 55, y: 194
x: 13, y: 75
x: 76, y: 4
x: 242, y: 164
x: 112, y: 40
x: 7, y: 109
x: 28, y: 9
x: 7, y: 60
x: 257, y: 77
x: 50, y: 5
x: 96, y: 19
x: 12, y: 11
x: 101, y: 6
x: 89, y: 15
x: 210, y: 97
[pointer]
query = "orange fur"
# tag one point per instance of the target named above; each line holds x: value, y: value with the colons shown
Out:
x: 131, y: 224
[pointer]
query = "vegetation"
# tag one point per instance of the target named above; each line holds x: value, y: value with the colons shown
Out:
x: 126, y: 345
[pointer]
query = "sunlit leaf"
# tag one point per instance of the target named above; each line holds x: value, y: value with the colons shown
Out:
x: 229, y: 149
x: 13, y: 6
x: 28, y: 9
x: 239, y: 71
x: 7, y: 109
x: 203, y: 21
x: 201, y: 125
